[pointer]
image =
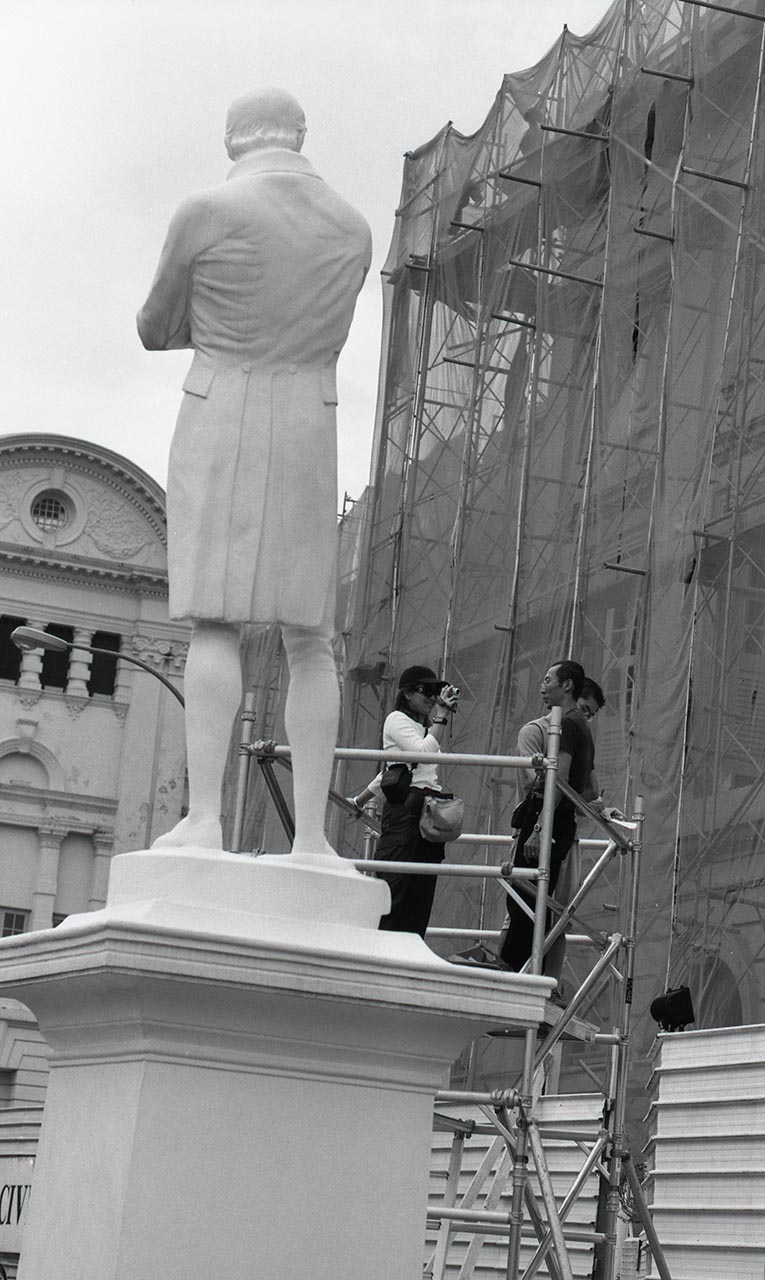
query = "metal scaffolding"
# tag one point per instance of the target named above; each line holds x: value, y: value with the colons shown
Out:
x: 512, y: 1112
x: 569, y: 460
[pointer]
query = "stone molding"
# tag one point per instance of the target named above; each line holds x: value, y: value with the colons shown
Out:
x: 161, y: 652
x: 22, y: 806
x: 55, y: 565
x: 29, y: 697
x: 52, y: 833
x: 76, y: 703
x: 26, y: 746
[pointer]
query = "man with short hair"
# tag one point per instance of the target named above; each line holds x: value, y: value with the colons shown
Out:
x: 259, y: 275
x: 562, y: 686
x: 532, y: 736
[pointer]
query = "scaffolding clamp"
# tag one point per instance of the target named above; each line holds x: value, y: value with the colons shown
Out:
x: 505, y: 1099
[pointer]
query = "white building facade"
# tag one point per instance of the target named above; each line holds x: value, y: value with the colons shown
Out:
x: 91, y: 747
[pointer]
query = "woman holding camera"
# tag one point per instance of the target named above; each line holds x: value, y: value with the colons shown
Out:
x: 417, y: 723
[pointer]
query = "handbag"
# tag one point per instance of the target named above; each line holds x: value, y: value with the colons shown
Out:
x: 395, y: 782
x: 441, y: 818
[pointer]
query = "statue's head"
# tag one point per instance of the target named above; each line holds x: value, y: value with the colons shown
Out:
x: 264, y: 118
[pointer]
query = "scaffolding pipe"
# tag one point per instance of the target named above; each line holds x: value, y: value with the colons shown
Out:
x: 424, y: 329
x: 444, y: 758
x: 667, y: 75
x: 645, y: 1217
x: 725, y: 8
x: 520, y: 1163
x: 618, y: 1145
x: 514, y: 177
x: 494, y: 1098
x: 437, y: 1270
x: 555, y: 1033
x: 503, y: 685
x: 714, y: 177
x: 471, y: 419
x: 467, y: 869
x: 580, y: 894
x: 575, y: 133
x: 572, y: 1195
x: 495, y: 1222
x: 655, y: 235
x: 555, y: 1227
x: 243, y: 772
x: 549, y: 271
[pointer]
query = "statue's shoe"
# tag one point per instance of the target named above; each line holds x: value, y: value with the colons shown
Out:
x: 205, y: 833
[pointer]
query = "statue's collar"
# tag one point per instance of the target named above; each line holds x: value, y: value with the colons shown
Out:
x: 272, y: 160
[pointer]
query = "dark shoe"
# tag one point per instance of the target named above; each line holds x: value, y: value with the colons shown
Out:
x: 478, y: 957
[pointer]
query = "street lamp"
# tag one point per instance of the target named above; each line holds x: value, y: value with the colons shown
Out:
x: 29, y: 638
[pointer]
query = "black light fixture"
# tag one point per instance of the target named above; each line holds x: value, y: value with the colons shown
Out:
x: 674, y: 1010
x: 28, y: 639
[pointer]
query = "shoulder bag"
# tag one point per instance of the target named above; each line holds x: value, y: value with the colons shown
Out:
x: 442, y: 818
x: 395, y: 782
x: 525, y: 813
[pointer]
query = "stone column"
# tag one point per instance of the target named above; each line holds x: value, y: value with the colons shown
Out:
x: 31, y: 663
x: 123, y: 679
x: 79, y: 666
x: 44, y: 896
x: 103, y: 843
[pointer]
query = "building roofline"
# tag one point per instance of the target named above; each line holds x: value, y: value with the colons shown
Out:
x: 50, y: 442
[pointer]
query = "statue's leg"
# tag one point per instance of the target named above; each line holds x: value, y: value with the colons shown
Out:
x: 310, y: 717
x: 213, y: 692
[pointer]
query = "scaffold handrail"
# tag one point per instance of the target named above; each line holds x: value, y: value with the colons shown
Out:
x: 485, y: 871
x: 377, y: 755
x: 538, y: 762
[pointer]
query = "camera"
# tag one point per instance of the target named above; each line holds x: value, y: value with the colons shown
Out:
x: 451, y: 691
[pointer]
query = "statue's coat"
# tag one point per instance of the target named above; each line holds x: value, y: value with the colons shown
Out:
x: 260, y: 276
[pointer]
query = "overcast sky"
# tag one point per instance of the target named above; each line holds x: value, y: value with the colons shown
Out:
x: 111, y: 111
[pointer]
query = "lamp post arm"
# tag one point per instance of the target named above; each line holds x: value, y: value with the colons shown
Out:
x: 137, y: 662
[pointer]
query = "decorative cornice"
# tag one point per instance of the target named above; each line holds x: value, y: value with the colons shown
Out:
x: 41, y: 801
x: 56, y: 566
x: 56, y: 559
x: 28, y: 697
x: 75, y: 704
x: 69, y: 446
x: 53, y: 830
x: 159, y: 651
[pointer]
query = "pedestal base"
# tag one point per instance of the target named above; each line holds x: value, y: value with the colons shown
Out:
x: 233, y: 1104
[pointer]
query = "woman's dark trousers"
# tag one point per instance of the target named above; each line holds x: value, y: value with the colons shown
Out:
x: 400, y: 841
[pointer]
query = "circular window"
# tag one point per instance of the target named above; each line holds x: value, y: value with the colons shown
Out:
x: 50, y: 510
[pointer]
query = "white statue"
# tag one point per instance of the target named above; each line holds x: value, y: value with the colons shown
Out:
x: 259, y: 275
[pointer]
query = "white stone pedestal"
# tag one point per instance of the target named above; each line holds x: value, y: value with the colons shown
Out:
x: 242, y: 1074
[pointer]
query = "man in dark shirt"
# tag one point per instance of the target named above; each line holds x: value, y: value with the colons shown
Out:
x: 561, y: 687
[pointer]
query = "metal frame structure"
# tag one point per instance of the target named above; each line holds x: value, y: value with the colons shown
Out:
x: 511, y: 1112
x: 569, y: 460
x: 569, y: 454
